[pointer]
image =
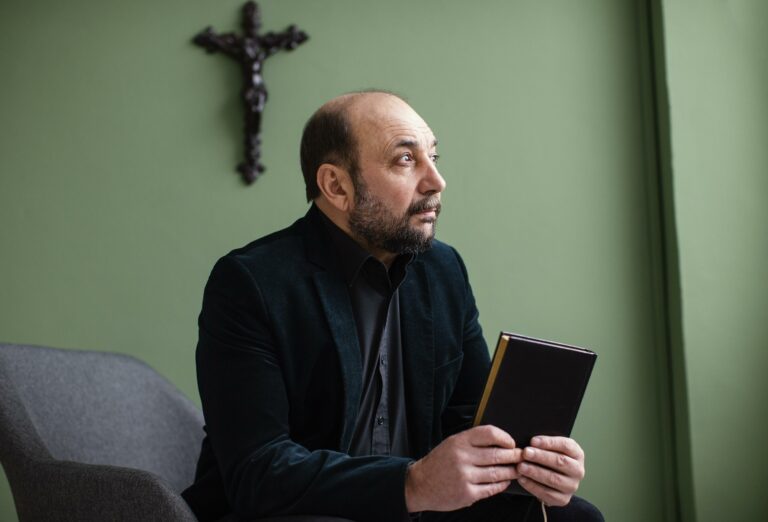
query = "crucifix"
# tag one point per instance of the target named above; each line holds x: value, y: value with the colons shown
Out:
x: 250, y: 50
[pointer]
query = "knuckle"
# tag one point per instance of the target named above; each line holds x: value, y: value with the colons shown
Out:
x: 498, y: 488
x: 562, y: 461
x: 486, y: 492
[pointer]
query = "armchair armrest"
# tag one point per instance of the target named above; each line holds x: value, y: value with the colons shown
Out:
x: 77, y: 491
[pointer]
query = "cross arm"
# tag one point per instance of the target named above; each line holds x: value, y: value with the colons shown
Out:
x: 288, y: 40
x: 227, y: 43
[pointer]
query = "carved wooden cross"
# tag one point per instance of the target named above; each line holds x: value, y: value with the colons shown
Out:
x: 251, y: 50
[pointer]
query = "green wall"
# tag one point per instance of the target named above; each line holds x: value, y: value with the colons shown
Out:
x: 717, y: 77
x: 117, y: 192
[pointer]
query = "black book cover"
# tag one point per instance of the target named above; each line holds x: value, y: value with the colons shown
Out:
x: 534, y: 387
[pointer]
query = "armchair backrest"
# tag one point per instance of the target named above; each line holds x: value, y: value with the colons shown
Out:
x: 95, y: 408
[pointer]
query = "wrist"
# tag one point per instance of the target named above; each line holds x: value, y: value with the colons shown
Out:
x: 412, y: 501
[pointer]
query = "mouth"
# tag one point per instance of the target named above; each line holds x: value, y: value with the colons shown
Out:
x: 426, y: 209
x: 428, y: 213
x: 428, y: 216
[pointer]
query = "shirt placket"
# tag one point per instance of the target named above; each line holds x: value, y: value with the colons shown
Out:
x: 380, y: 442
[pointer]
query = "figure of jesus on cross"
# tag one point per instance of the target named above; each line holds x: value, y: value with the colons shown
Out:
x: 251, y: 50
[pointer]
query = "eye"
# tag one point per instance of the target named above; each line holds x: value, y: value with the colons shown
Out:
x: 434, y: 157
x: 406, y: 156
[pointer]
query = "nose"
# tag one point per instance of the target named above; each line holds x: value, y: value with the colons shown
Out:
x: 432, y: 182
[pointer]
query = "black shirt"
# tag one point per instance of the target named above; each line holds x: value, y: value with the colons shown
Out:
x: 381, y: 427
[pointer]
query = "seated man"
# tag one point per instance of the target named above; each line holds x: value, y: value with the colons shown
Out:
x: 340, y: 360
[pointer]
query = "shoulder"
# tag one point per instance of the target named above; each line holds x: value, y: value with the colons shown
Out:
x: 274, y: 257
x: 273, y: 249
x: 443, y: 260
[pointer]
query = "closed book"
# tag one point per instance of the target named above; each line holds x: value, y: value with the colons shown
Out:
x: 535, y: 387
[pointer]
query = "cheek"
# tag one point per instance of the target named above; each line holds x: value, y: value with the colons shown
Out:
x: 398, y: 198
x: 404, y: 194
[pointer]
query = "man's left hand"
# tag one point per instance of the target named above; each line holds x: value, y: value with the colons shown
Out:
x: 552, y: 468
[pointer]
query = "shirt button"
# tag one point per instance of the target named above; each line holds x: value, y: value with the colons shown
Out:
x: 379, y: 420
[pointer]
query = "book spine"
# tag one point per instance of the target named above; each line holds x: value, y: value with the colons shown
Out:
x: 498, y: 356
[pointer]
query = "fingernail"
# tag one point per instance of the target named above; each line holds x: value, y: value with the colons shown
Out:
x: 536, y: 441
x: 529, y: 452
x: 522, y: 480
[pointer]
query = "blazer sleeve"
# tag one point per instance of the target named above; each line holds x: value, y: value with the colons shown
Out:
x: 245, y: 406
x: 459, y: 413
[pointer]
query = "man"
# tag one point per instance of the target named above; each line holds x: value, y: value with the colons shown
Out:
x: 340, y: 360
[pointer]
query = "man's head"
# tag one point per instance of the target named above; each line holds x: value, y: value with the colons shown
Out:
x: 369, y: 163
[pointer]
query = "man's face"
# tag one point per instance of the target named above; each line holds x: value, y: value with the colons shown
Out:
x: 397, y: 188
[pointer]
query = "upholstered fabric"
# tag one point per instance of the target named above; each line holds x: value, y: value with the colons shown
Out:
x: 94, y: 436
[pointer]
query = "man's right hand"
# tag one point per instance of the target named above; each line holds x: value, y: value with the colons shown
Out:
x: 469, y: 466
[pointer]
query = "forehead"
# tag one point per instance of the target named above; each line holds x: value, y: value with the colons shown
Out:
x: 384, y: 122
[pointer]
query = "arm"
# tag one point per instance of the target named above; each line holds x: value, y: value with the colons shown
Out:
x: 471, y: 463
x: 552, y: 467
x: 246, y: 407
x: 459, y: 413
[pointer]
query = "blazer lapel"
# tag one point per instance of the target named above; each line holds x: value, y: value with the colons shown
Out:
x: 338, y: 311
x: 418, y: 355
x: 337, y: 307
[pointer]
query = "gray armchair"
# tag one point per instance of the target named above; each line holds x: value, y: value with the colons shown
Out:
x: 94, y: 436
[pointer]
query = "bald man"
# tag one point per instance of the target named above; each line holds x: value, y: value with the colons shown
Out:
x: 340, y: 360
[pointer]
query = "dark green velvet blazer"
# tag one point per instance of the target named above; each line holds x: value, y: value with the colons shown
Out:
x: 279, y: 372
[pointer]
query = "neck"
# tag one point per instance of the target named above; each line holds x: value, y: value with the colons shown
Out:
x: 341, y: 220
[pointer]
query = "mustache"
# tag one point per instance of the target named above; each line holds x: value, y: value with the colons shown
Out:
x: 432, y: 202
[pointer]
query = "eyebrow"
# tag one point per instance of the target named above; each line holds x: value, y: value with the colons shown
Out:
x: 412, y: 143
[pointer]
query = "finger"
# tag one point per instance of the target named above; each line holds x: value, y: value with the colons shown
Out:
x: 495, y: 456
x: 559, y: 444
x: 547, y: 495
x: 488, y: 435
x: 559, y: 462
x: 481, y: 491
x: 549, y: 478
x: 491, y: 474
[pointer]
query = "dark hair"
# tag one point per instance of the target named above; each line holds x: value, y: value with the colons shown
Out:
x: 327, y: 138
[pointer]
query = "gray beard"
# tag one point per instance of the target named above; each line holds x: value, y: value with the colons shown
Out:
x: 375, y: 224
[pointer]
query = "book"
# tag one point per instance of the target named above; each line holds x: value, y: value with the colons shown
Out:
x: 534, y: 387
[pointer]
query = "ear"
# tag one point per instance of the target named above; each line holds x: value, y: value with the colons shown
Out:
x: 335, y: 186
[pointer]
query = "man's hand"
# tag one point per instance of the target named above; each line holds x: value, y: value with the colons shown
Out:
x: 466, y: 467
x: 552, y: 468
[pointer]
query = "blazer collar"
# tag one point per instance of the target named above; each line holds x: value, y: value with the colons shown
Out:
x: 318, y: 244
